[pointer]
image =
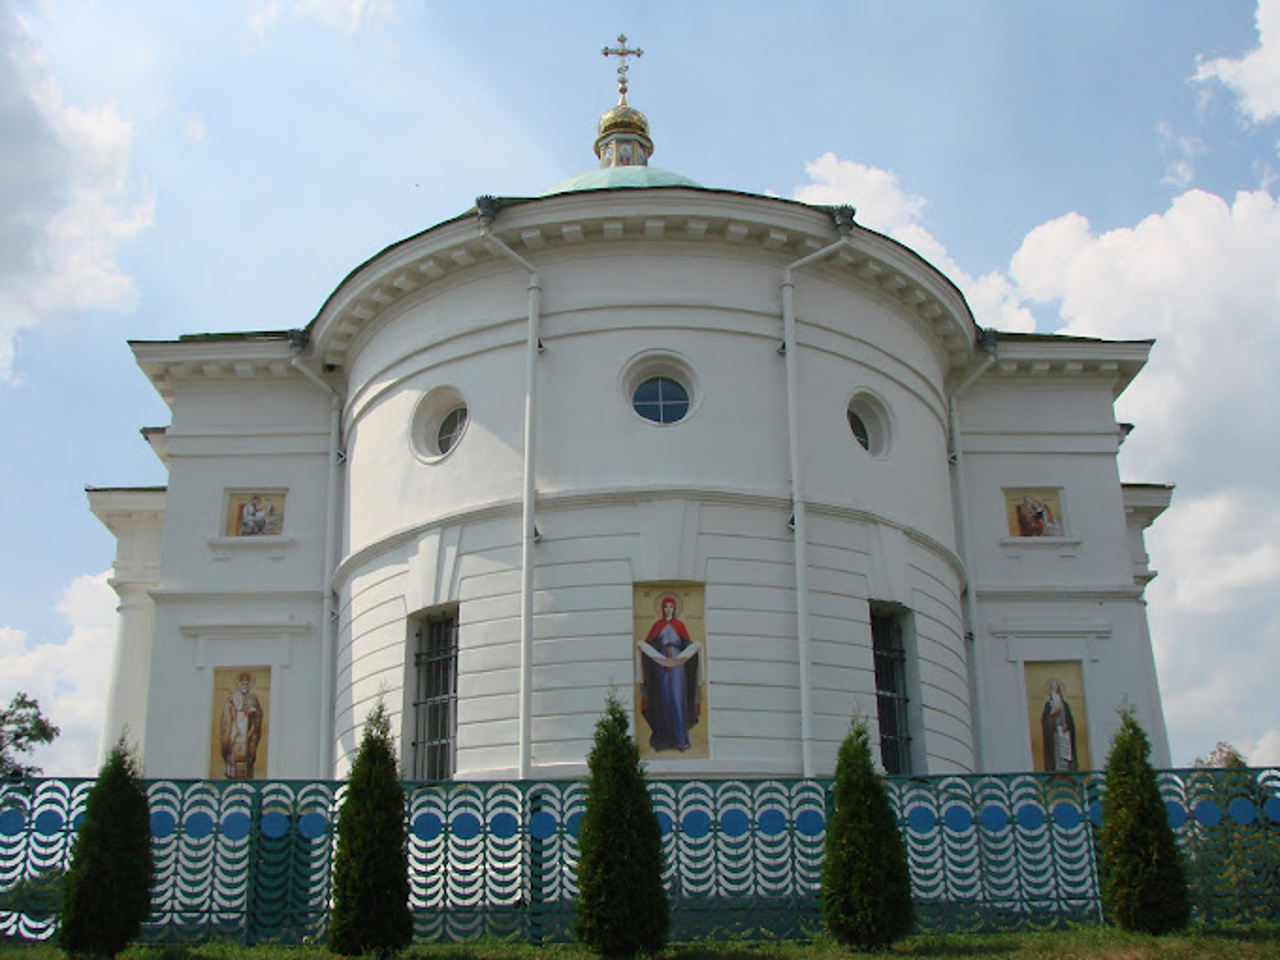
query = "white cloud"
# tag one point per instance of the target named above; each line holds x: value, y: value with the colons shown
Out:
x: 1255, y: 77
x: 342, y: 16
x: 65, y: 208
x: 1179, y: 152
x: 1262, y: 751
x: 1225, y: 550
x: 884, y: 206
x: 882, y: 203
x: 1201, y: 278
x: 68, y: 678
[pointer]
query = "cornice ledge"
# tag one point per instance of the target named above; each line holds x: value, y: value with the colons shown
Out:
x: 614, y: 496
x: 363, y: 554
x: 1146, y: 501
x: 221, y: 630
x: 113, y: 507
x: 1086, y: 627
x: 1043, y: 357
x: 937, y: 547
x: 166, y: 364
x: 272, y: 546
x: 1009, y: 592
x: 239, y: 597
x: 656, y: 215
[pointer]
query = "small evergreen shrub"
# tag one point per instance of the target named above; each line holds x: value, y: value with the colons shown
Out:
x: 370, y: 869
x: 622, y: 905
x: 866, y: 885
x: 1143, y: 884
x: 106, y: 894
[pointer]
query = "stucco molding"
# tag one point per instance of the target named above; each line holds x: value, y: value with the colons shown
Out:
x: 776, y: 231
x: 550, y: 503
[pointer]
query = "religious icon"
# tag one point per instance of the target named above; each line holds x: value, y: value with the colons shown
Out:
x: 239, y: 723
x: 1034, y: 513
x: 670, y: 655
x: 1056, y: 716
x: 254, y: 513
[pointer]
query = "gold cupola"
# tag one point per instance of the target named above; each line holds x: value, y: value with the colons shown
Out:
x: 623, y: 133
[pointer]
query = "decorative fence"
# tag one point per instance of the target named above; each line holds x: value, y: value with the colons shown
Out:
x: 251, y: 860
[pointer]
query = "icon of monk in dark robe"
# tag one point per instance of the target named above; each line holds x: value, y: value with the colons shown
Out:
x: 671, y: 696
x: 1058, y: 728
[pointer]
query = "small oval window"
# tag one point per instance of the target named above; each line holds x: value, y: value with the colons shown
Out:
x: 860, y: 431
x: 451, y: 428
x: 869, y: 423
x: 661, y: 399
x: 438, y: 424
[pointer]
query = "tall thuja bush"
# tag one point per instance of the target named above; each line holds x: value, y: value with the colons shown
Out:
x: 866, y: 884
x: 106, y: 894
x: 622, y: 906
x: 370, y: 869
x: 1143, y: 883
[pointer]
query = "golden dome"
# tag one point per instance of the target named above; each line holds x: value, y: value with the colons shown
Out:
x: 623, y: 118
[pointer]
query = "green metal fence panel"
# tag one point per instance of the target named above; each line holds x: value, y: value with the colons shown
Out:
x: 252, y: 860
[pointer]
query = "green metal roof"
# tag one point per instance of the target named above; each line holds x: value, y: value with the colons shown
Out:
x: 612, y: 178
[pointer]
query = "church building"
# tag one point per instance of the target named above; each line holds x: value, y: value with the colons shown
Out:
x: 739, y: 461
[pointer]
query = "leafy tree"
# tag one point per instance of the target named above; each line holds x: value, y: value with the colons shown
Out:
x: 1231, y: 867
x: 22, y: 728
x: 1223, y: 757
x: 1144, y: 886
x: 370, y: 869
x: 622, y: 906
x: 106, y: 894
x: 866, y: 884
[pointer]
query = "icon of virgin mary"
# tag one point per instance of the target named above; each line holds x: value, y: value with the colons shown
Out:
x: 670, y: 694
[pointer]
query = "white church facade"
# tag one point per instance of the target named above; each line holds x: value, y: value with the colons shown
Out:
x: 739, y: 460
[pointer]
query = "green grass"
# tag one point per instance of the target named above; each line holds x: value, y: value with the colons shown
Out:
x: 1228, y: 943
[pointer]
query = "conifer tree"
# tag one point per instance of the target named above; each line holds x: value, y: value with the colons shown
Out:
x: 106, y: 894
x: 1143, y: 883
x: 622, y: 905
x: 866, y: 884
x: 370, y: 869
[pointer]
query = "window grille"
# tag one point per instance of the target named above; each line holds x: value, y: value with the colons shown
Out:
x: 435, y: 705
x: 891, y: 690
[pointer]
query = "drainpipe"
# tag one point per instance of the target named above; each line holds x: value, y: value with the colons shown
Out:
x: 329, y: 618
x: 487, y: 209
x: 977, y: 685
x: 844, y: 222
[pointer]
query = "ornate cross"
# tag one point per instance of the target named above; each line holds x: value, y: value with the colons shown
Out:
x: 622, y: 51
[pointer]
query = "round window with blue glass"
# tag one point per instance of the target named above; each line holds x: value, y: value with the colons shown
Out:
x: 661, y: 399
x: 660, y: 386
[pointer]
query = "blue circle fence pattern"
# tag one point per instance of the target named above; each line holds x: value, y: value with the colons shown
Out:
x: 251, y: 860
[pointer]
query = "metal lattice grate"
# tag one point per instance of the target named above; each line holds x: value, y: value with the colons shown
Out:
x: 251, y: 861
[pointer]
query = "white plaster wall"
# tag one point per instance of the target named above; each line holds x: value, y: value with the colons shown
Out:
x: 1067, y: 598
x: 221, y: 603
x: 589, y: 557
x: 623, y: 500
x: 721, y: 314
x: 136, y: 518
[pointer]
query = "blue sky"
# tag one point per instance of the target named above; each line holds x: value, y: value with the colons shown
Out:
x: 1098, y: 168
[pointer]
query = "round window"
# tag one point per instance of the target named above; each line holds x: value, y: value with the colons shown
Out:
x: 661, y: 399
x: 439, y: 422
x: 451, y: 428
x: 869, y: 423
x: 660, y: 386
x: 860, y: 431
